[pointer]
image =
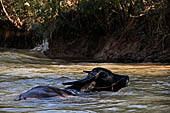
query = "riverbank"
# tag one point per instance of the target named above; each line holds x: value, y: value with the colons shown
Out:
x: 97, y: 31
x: 129, y: 49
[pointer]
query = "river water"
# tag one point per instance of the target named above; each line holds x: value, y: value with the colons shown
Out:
x: 20, y: 70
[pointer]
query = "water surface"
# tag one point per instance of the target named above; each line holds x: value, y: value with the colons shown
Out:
x: 20, y: 70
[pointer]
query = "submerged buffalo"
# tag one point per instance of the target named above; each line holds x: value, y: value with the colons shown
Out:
x: 99, y: 79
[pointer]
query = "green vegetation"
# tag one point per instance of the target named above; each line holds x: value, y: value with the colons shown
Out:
x: 71, y: 19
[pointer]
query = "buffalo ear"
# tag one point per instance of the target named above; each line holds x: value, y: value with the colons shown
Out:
x: 87, y: 71
x: 118, y: 85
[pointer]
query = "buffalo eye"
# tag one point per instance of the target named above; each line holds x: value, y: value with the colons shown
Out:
x: 103, y: 75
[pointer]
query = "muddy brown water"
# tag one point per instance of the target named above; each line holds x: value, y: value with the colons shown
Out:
x: 20, y: 70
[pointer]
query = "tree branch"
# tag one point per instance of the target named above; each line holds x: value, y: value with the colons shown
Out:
x: 10, y: 19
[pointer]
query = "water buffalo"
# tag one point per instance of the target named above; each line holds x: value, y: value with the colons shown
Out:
x: 98, y: 79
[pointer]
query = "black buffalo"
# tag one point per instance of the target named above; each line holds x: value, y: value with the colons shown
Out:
x: 99, y: 79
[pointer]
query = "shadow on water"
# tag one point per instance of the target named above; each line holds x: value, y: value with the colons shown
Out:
x: 148, y: 91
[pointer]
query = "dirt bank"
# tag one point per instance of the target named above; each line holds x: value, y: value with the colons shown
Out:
x: 127, y: 49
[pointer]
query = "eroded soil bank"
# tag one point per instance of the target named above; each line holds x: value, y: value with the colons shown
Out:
x: 134, y: 48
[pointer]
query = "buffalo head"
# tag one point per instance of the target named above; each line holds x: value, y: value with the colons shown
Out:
x: 99, y: 79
